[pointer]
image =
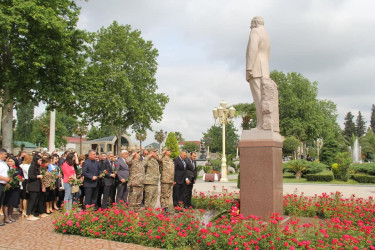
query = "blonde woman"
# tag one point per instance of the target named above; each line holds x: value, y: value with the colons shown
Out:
x: 24, y: 194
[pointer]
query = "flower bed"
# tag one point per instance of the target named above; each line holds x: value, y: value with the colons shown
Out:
x: 347, y: 224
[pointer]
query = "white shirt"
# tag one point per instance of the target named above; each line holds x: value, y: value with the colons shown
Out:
x: 25, y: 169
x: 3, y: 170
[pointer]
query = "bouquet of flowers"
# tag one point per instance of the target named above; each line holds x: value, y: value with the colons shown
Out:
x: 14, y: 181
x: 53, y: 180
x: 43, y: 170
x: 74, y: 182
x: 102, y: 175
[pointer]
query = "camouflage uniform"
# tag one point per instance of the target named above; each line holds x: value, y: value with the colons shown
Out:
x: 151, y: 181
x: 135, y: 184
x: 167, y: 180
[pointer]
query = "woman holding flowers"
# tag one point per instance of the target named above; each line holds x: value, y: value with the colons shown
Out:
x: 34, y: 187
x: 52, y: 199
x: 69, y: 175
x: 12, y: 195
x: 48, y: 195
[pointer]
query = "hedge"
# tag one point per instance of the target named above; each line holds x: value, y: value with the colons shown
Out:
x: 365, y: 168
x: 312, y: 167
x: 319, y: 177
x: 362, y: 178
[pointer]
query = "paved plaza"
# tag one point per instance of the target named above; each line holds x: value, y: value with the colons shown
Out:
x: 40, y: 235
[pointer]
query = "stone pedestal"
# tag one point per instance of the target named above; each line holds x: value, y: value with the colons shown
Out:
x: 261, y: 173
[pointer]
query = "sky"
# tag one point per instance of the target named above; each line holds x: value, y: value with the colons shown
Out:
x: 202, y: 46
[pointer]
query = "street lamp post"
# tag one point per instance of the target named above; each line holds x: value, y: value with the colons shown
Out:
x: 224, y: 115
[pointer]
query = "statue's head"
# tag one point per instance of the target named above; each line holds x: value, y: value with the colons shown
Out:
x: 257, y: 21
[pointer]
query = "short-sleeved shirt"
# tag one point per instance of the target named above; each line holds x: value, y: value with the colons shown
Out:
x: 3, y: 171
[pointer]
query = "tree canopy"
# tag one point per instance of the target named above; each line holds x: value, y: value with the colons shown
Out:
x: 360, y: 125
x: 302, y: 114
x: 42, y: 53
x: 190, y: 147
x: 121, y: 73
x: 214, y: 135
x: 349, y: 126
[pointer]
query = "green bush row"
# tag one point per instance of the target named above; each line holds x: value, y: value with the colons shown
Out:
x: 312, y: 167
x: 319, y: 177
x: 365, y: 168
x: 362, y: 178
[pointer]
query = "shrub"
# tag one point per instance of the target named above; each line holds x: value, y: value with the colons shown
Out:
x: 366, y: 168
x: 336, y: 171
x: 319, y: 177
x: 344, y: 160
x: 297, y: 167
x: 329, y: 151
x: 362, y: 178
x: 314, y: 168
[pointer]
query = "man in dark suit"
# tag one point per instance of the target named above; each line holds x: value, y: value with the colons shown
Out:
x: 122, y: 175
x: 103, y: 157
x: 191, y: 177
x: 179, y: 178
x: 107, y: 180
x: 90, y: 170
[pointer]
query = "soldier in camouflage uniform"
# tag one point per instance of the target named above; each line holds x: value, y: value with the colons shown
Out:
x: 151, y: 183
x: 167, y: 180
x: 135, y: 182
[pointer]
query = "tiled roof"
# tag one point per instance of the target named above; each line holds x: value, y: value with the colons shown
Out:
x: 26, y: 143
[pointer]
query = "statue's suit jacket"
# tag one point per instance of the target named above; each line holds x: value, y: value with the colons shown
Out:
x: 258, y: 53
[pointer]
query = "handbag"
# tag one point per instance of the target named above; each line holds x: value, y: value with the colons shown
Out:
x: 60, y: 184
x: 75, y: 189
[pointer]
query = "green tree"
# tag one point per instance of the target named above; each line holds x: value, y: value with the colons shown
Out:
x: 41, y: 127
x: 349, y: 126
x: 372, y: 119
x: 290, y: 145
x: 190, y: 147
x: 172, y: 144
x: 41, y: 57
x: 179, y: 137
x: 302, y: 114
x: 121, y: 73
x: 329, y: 151
x: 24, y: 127
x: 141, y: 136
x: 214, y: 134
x: 360, y: 125
x: 99, y: 132
x: 367, y: 143
x: 344, y: 160
x: 247, y: 112
x: 80, y: 130
x: 297, y: 167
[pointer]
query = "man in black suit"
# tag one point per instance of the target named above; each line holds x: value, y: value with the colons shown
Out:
x: 122, y: 176
x: 191, y: 177
x: 179, y: 178
x: 103, y: 157
x: 90, y: 170
x: 107, y: 180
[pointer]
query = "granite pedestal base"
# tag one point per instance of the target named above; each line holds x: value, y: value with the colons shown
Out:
x: 261, y: 173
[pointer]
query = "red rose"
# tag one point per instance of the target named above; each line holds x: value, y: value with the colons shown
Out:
x: 116, y: 165
x: 106, y: 172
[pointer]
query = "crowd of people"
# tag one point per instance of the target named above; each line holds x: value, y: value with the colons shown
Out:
x: 39, y: 184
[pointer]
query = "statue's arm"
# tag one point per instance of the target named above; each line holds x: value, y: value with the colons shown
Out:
x: 251, y: 53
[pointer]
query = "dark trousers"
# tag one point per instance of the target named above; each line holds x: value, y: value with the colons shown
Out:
x: 188, y: 193
x: 91, y: 195
x: 106, y: 193
x: 122, y: 192
x: 178, y: 194
x: 2, y: 194
x: 33, y: 203
x: 112, y: 193
x: 100, y: 192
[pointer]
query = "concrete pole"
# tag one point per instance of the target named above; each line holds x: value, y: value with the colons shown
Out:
x: 52, y: 128
x: 224, y: 159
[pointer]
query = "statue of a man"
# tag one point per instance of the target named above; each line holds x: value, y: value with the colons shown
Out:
x: 264, y: 90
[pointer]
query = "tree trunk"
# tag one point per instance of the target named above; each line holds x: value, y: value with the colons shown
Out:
x: 7, y: 123
x: 298, y: 175
x: 118, y: 135
x: 80, y: 144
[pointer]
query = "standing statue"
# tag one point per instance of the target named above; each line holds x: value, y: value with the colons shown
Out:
x: 263, y: 88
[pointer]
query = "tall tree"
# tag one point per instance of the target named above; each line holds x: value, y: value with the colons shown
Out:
x: 122, y: 66
x: 367, y: 143
x: 190, y: 147
x: 179, y: 136
x: 302, y: 114
x: 372, y: 119
x: 25, y: 116
x: 215, y: 136
x: 172, y: 144
x: 141, y: 136
x: 360, y: 125
x: 349, y: 126
x: 247, y: 112
x: 40, y: 55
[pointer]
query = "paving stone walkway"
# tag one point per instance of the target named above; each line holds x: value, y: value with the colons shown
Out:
x: 39, y: 235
